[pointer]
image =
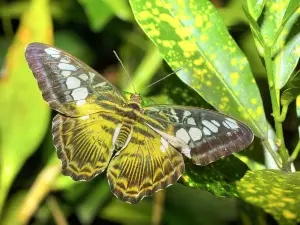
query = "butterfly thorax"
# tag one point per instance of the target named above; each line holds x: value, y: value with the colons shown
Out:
x: 124, y: 131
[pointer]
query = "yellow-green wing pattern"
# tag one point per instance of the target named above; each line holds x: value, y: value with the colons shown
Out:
x: 84, y: 144
x: 206, y: 135
x: 148, y: 163
x: 67, y: 84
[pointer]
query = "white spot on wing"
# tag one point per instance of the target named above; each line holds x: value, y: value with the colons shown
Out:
x: 85, y: 117
x: 80, y: 93
x: 206, y: 131
x: 231, y: 123
x: 215, y: 122
x: 66, y: 66
x: 52, y: 51
x: 183, y: 135
x: 92, y: 75
x: 116, y: 134
x: 191, y: 121
x: 65, y: 60
x: 186, y: 113
x: 80, y: 102
x: 84, y: 77
x: 162, y: 148
x: 186, y: 152
x: 195, y: 133
x: 210, y: 126
x: 72, y: 82
x: 102, y: 84
x: 176, y: 142
x: 66, y: 73
x: 164, y: 143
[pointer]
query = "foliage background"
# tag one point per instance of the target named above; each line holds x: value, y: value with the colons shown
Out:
x: 32, y: 189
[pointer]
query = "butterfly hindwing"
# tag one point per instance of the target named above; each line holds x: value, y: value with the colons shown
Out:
x: 146, y: 165
x: 84, y: 144
x: 67, y: 84
x: 207, y: 135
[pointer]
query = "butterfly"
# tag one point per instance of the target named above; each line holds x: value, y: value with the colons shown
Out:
x: 142, y: 148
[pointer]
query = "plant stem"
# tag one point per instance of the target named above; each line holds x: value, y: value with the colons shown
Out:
x: 282, y: 116
x: 295, y: 152
x: 276, y: 109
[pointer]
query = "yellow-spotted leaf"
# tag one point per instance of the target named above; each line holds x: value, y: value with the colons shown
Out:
x: 218, y: 178
x: 277, y: 192
x: 191, y: 35
x: 254, y: 7
x: 280, y: 22
x: 287, y: 60
x: 24, y: 116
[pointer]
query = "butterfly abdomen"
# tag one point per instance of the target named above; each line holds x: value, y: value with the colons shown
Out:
x: 124, y: 136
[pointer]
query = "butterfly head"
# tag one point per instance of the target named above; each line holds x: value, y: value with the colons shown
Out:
x: 135, y: 101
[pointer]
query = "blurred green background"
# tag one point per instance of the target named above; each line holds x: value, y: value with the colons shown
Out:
x: 32, y: 188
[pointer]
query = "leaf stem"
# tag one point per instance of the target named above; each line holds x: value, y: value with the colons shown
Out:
x: 282, y: 116
x: 276, y: 109
x: 295, y: 152
x: 272, y: 153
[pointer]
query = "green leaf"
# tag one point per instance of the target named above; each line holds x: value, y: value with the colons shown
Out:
x: 232, y: 19
x: 124, y: 213
x: 191, y: 35
x: 71, y: 42
x: 287, y: 60
x: 88, y: 208
x: 292, y: 8
x: 121, y: 9
x: 219, y: 178
x: 295, y: 80
x: 277, y: 192
x: 298, y: 113
x: 254, y: 7
x: 11, y: 212
x: 24, y: 116
x: 289, y: 95
x: 98, y: 13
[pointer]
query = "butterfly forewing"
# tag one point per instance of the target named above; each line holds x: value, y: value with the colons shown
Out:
x: 84, y: 144
x: 67, y: 84
x: 207, y: 135
x: 145, y: 166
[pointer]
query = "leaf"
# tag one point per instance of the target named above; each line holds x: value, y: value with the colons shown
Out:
x: 191, y: 35
x: 232, y: 19
x: 124, y: 213
x: 295, y: 79
x: 253, y: 156
x: 277, y: 192
x: 287, y: 60
x: 73, y: 44
x: 88, y: 208
x: 187, y: 206
x: 12, y: 208
x: 254, y: 7
x: 292, y: 8
x: 25, y: 117
x: 289, y: 95
x: 298, y: 113
x: 121, y: 9
x: 219, y: 178
x: 98, y: 13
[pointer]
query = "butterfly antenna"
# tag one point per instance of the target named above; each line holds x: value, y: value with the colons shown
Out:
x: 160, y: 80
x: 125, y: 71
